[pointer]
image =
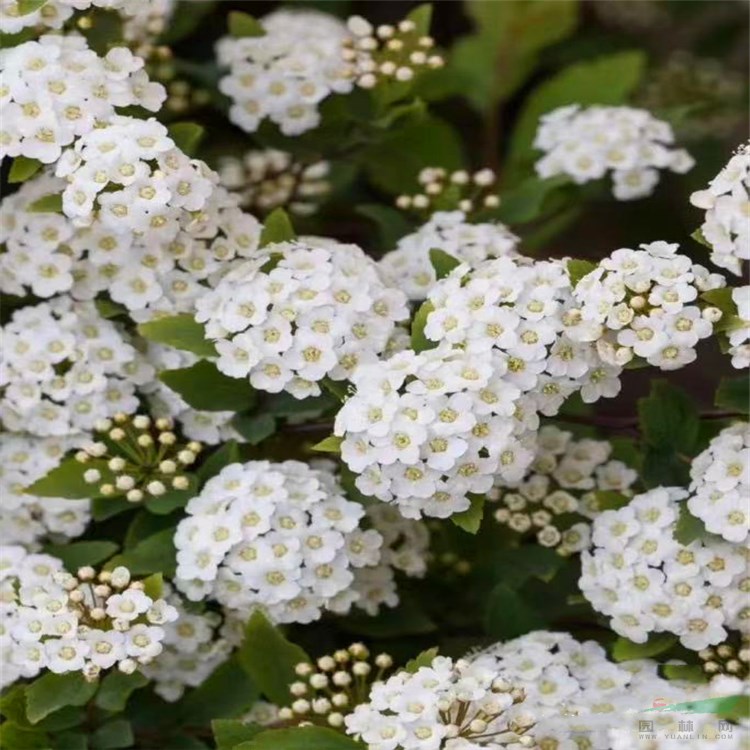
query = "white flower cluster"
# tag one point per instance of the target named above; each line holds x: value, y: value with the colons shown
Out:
x: 644, y: 303
x: 279, y: 536
x: 726, y: 226
x: 193, y: 648
x: 581, y: 699
x: 141, y: 18
x: 210, y: 427
x: 424, y: 430
x: 26, y: 519
x: 408, y: 267
x: 646, y: 581
x: 267, y: 179
x: 739, y: 336
x: 286, y: 73
x: 47, y: 254
x: 563, y: 480
x: 56, y: 90
x: 587, y: 143
x: 65, y: 368
x: 720, y: 487
x: 448, y: 705
x: 298, y: 312
x: 50, y: 619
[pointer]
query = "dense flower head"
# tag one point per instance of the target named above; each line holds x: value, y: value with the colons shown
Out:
x: 409, y: 268
x: 632, y: 144
x: 285, y: 74
x: 559, y: 490
x: 720, y: 485
x: 645, y: 303
x: 646, y: 581
x: 466, y: 704
x: 26, y: 518
x: 298, y: 312
x: 56, y: 90
x: 739, y: 335
x: 65, y: 368
x: 269, y: 178
x: 194, y: 645
x: 88, y: 623
x: 276, y: 536
x: 210, y: 427
x: 726, y: 201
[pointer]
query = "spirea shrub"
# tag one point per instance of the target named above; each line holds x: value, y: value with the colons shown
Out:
x: 373, y: 377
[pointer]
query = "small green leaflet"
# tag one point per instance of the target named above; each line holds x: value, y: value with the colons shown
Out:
x: 331, y: 444
x: 181, y: 332
x: 23, y: 168
x: 577, y: 269
x: 277, y: 228
x: 442, y: 262
x: 470, y: 519
x: 244, y: 25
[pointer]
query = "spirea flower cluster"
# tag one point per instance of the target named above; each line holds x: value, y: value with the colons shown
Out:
x: 408, y: 267
x: 726, y: 201
x: 85, y: 623
x: 298, y: 312
x: 561, y: 486
x: 285, y: 74
x: 280, y: 536
x: 24, y: 517
x: 65, y: 368
x: 645, y: 303
x: 586, y: 144
x: 270, y: 178
x: 448, y: 705
x: 56, y: 90
x: 641, y: 577
x: 739, y: 335
x: 720, y: 485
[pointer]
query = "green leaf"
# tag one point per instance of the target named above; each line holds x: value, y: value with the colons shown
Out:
x: 688, y: 528
x: 508, y: 615
x: 52, y: 692
x: 470, y: 519
x: 229, y: 453
x: 697, y: 235
x: 337, y: 388
x: 722, y: 299
x: 577, y: 269
x: 205, y: 388
x: 181, y: 332
x: 77, y: 554
x: 117, y: 687
x: 610, y: 500
x: 277, y: 228
x: 173, y: 499
x: 231, y: 732
x: 108, y: 309
x: 255, y: 428
x: 47, y: 204
x: 516, y: 565
x: 527, y: 201
x: 23, y: 168
x: 29, y: 6
x: 269, y: 658
x: 185, y: 22
x: 733, y: 394
x: 115, y: 734
x: 186, y: 136
x: 67, y: 480
x: 424, y: 659
x: 421, y: 17
x: 103, y: 508
x: 420, y: 342
x: 604, y: 80
x: 153, y: 586
x: 683, y: 672
x: 155, y: 554
x: 213, y: 700
x: 658, y: 643
x: 244, y: 25
x: 733, y: 707
x: 442, y: 262
x: 331, y: 444
x: 668, y: 418
x: 15, y: 737
x: 301, y: 738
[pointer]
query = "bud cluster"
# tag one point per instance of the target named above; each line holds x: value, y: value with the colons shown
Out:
x: 450, y: 191
x: 335, y: 686
x: 144, y: 458
x: 727, y: 659
x: 396, y: 53
x: 86, y: 622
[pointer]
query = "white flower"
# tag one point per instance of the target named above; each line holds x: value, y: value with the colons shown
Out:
x: 587, y: 143
x: 727, y: 206
x: 739, y: 335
